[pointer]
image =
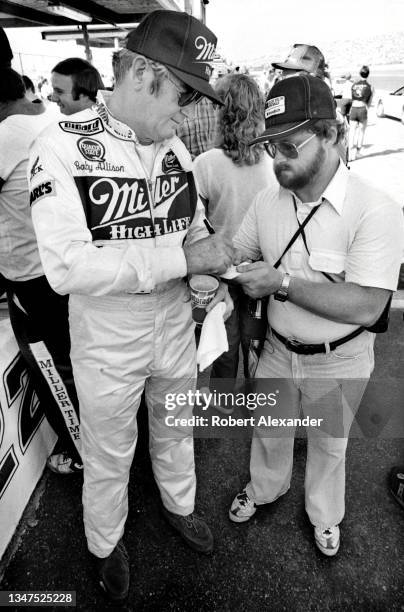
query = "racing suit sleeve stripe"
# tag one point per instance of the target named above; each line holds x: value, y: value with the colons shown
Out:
x: 72, y: 263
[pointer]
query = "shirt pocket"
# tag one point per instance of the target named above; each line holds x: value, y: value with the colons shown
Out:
x: 332, y: 262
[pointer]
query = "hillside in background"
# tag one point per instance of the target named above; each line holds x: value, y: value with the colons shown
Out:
x: 382, y: 49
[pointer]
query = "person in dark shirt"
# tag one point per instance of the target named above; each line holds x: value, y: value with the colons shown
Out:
x: 362, y: 93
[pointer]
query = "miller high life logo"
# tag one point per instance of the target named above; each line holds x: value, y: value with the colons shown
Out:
x: 119, y: 208
x: 115, y: 208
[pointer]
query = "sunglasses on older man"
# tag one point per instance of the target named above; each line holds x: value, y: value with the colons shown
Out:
x: 185, y: 97
x: 287, y: 149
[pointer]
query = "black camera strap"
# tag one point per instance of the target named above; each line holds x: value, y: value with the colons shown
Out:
x: 299, y: 232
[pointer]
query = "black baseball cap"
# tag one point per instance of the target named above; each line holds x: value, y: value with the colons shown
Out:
x: 295, y: 103
x: 304, y: 57
x: 180, y: 42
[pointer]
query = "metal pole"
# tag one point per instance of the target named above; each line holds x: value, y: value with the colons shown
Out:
x: 203, y: 12
x: 86, y: 37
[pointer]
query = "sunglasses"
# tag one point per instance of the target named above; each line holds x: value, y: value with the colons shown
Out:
x: 287, y: 149
x: 185, y: 97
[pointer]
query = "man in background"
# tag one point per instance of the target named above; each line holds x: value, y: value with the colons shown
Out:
x: 198, y: 131
x: 309, y: 59
x: 38, y: 315
x: 302, y: 58
x: 346, y: 97
x: 75, y: 83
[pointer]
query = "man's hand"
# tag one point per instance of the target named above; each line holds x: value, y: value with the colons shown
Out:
x: 259, y: 279
x: 222, y: 295
x: 239, y: 257
x: 211, y: 255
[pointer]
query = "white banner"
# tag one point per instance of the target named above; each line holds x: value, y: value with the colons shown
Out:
x: 26, y: 438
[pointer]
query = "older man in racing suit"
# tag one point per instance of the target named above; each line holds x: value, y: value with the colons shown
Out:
x: 119, y: 225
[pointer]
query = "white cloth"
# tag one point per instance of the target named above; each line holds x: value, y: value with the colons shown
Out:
x: 19, y: 256
x: 231, y: 272
x: 213, y: 341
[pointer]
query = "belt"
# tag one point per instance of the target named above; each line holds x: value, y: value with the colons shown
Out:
x: 312, y: 349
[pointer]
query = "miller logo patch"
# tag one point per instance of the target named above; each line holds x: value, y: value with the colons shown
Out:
x: 118, y: 208
x: 46, y: 188
x: 111, y: 204
x: 275, y: 106
x: 170, y: 163
x: 93, y: 126
x: 91, y: 149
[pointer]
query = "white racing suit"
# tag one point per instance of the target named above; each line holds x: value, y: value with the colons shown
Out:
x: 111, y: 236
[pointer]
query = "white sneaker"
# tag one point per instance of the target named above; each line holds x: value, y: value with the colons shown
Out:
x: 327, y: 540
x: 242, y: 508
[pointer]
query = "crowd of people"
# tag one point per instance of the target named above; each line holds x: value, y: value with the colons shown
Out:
x: 105, y: 210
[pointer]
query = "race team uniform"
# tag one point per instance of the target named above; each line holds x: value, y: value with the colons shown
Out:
x: 38, y: 315
x: 111, y: 217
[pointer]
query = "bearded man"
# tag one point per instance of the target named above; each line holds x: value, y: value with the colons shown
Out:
x: 331, y: 247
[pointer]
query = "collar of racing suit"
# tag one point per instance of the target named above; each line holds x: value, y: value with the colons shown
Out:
x: 112, y: 124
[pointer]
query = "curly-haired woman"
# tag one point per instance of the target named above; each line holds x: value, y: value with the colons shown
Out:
x: 228, y: 177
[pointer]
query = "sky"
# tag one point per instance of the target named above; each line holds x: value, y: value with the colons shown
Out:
x: 247, y: 28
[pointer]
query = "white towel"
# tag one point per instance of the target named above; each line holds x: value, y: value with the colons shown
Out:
x: 231, y: 272
x: 213, y: 340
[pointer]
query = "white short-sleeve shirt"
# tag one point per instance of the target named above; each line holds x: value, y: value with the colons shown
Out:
x: 356, y: 236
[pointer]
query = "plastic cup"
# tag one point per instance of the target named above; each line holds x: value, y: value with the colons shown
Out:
x: 203, y: 290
